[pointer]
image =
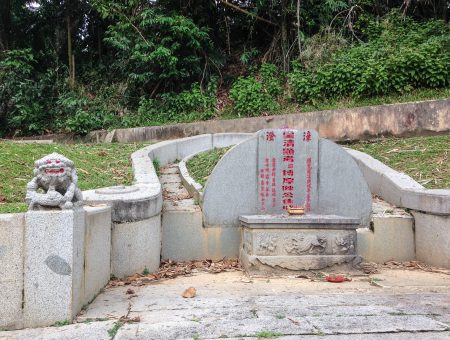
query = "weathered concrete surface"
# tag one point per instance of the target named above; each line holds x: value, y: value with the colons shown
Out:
x: 12, y: 229
x: 54, y: 266
x: 432, y: 239
x: 414, y: 118
x: 85, y: 331
x: 391, y: 236
x: 136, y: 246
x: 403, y: 305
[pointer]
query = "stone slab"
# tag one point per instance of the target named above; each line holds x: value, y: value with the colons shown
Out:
x: 432, y: 239
x: 136, y: 246
x: 97, y: 248
x: 303, y: 221
x: 11, y: 270
x: 54, y: 266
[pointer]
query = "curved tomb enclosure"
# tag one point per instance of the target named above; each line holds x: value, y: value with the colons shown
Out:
x: 282, y: 167
x: 258, y: 181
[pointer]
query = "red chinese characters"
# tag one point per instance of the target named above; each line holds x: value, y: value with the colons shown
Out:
x: 274, y: 183
x: 308, y: 184
x: 270, y: 136
x: 307, y: 136
x: 262, y: 190
x: 288, y: 169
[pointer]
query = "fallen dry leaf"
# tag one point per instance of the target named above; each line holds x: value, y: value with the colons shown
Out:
x: 171, y: 269
x: 189, y: 293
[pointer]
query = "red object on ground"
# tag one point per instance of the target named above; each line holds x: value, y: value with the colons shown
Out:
x: 337, y: 278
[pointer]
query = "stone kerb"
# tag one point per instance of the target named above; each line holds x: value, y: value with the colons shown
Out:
x: 232, y: 187
x: 194, y: 188
x: 400, y: 189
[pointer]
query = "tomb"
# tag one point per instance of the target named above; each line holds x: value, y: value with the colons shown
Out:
x: 255, y: 184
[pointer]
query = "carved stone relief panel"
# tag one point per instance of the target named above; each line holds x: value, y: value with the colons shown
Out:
x: 305, y: 244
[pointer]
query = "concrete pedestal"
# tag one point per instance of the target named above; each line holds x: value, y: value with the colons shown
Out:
x: 276, y: 243
x: 54, y: 266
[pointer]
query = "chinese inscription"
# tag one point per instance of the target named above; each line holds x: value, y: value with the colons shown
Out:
x: 287, y: 168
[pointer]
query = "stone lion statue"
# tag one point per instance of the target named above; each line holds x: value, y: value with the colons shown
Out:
x: 54, y: 184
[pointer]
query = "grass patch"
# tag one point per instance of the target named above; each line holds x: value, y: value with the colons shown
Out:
x: 425, y: 159
x: 201, y: 165
x: 268, y: 334
x: 98, y: 165
x: 113, y: 331
x: 61, y: 323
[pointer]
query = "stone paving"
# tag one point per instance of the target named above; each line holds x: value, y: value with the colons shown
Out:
x: 395, y: 304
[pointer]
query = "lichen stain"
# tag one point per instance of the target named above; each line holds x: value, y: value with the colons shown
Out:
x: 58, y: 265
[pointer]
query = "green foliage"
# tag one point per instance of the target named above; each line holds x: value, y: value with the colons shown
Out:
x: 113, y: 331
x: 61, y: 323
x: 153, y: 47
x: 405, y: 55
x: 21, y: 103
x: 253, y: 95
x: 189, y: 105
x: 268, y: 334
x: 84, y: 112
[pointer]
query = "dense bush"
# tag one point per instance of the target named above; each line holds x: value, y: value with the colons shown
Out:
x: 402, y: 56
x: 253, y: 94
x: 27, y: 96
x: 195, y: 104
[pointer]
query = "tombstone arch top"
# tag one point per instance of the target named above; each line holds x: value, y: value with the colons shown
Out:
x: 281, y: 167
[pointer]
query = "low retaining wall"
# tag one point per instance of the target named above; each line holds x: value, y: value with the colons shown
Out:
x: 430, y: 207
x: 53, y: 263
x: 416, y: 118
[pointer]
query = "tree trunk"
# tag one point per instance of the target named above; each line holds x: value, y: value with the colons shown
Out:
x: 284, y: 36
x: 5, y: 24
x: 70, y: 56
